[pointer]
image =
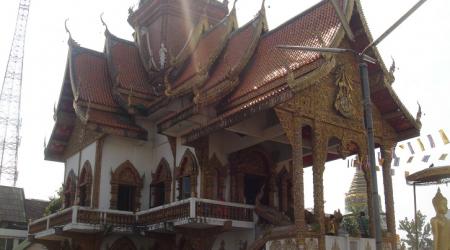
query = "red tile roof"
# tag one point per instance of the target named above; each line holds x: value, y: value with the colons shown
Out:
x: 91, y: 78
x: 269, y: 63
x: 234, y: 53
x: 126, y: 66
x: 207, y: 47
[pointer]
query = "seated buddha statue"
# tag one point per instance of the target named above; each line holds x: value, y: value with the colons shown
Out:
x: 440, y: 224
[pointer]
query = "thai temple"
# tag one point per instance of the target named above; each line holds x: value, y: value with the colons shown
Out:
x: 195, y: 135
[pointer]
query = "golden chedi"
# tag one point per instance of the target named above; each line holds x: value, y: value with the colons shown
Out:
x: 440, y: 224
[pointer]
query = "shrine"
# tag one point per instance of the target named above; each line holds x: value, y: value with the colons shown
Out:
x: 195, y: 135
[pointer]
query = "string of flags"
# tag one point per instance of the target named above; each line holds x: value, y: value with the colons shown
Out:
x: 422, y: 146
x: 417, y: 148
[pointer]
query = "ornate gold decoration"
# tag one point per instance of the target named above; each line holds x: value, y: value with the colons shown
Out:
x: 314, y: 77
x: 344, y: 101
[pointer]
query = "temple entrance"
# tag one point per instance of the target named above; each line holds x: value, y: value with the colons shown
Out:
x: 252, y: 186
x: 123, y: 244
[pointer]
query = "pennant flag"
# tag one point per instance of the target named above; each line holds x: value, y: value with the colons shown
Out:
x: 422, y: 147
x: 443, y: 136
x: 402, y: 146
x: 410, y: 159
x: 411, y: 148
x: 426, y: 158
x: 443, y: 156
x: 430, y: 139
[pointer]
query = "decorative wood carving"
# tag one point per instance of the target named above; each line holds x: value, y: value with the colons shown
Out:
x: 126, y: 174
x: 344, y: 101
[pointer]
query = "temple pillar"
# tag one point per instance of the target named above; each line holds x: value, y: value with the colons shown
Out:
x: 297, y: 179
x: 320, y: 144
x: 292, y: 126
x: 386, y: 152
x: 366, y: 169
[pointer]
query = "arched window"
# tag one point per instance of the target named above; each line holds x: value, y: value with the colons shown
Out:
x: 161, y: 185
x: 85, y: 185
x: 126, y: 185
x: 186, y: 175
x: 123, y: 244
x: 69, y: 189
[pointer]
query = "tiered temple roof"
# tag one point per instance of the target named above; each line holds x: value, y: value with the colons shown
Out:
x: 235, y: 72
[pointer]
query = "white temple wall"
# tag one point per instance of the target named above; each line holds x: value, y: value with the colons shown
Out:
x: 87, y: 154
x: 234, y: 240
x: 117, y: 150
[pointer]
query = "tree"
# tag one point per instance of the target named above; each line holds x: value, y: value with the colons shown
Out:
x: 55, y: 203
x: 424, y: 232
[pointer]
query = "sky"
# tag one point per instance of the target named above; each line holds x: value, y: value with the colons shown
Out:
x: 420, y: 47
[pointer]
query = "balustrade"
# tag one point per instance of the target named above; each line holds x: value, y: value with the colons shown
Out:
x: 177, y: 211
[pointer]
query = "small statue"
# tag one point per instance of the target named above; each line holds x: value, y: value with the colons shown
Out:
x: 440, y: 225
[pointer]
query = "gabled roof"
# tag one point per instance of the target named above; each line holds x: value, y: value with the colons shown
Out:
x: 236, y: 55
x: 131, y: 83
x: 34, y: 209
x: 264, y: 83
x: 194, y: 70
x: 316, y: 27
x: 12, y: 208
x: 87, y: 87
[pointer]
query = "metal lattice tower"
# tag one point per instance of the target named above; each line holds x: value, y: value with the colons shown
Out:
x: 10, y: 97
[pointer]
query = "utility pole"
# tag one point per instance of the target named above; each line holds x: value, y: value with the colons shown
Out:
x: 10, y: 98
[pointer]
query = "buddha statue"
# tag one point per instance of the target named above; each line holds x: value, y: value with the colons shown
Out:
x: 440, y: 224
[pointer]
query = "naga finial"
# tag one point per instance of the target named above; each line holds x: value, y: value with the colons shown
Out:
x: 71, y: 40
x: 67, y: 29
x: 419, y: 112
x: 103, y: 22
x: 392, y: 68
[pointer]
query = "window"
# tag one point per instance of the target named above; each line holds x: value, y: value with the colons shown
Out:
x: 186, y: 187
x: 85, y: 185
x: 125, y: 199
x: 186, y: 176
x: 157, y: 194
x: 126, y: 185
x: 161, y: 186
x: 69, y: 190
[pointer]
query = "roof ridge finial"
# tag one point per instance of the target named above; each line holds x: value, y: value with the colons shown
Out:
x: 104, y: 23
x: 71, y: 41
x: 234, y: 4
